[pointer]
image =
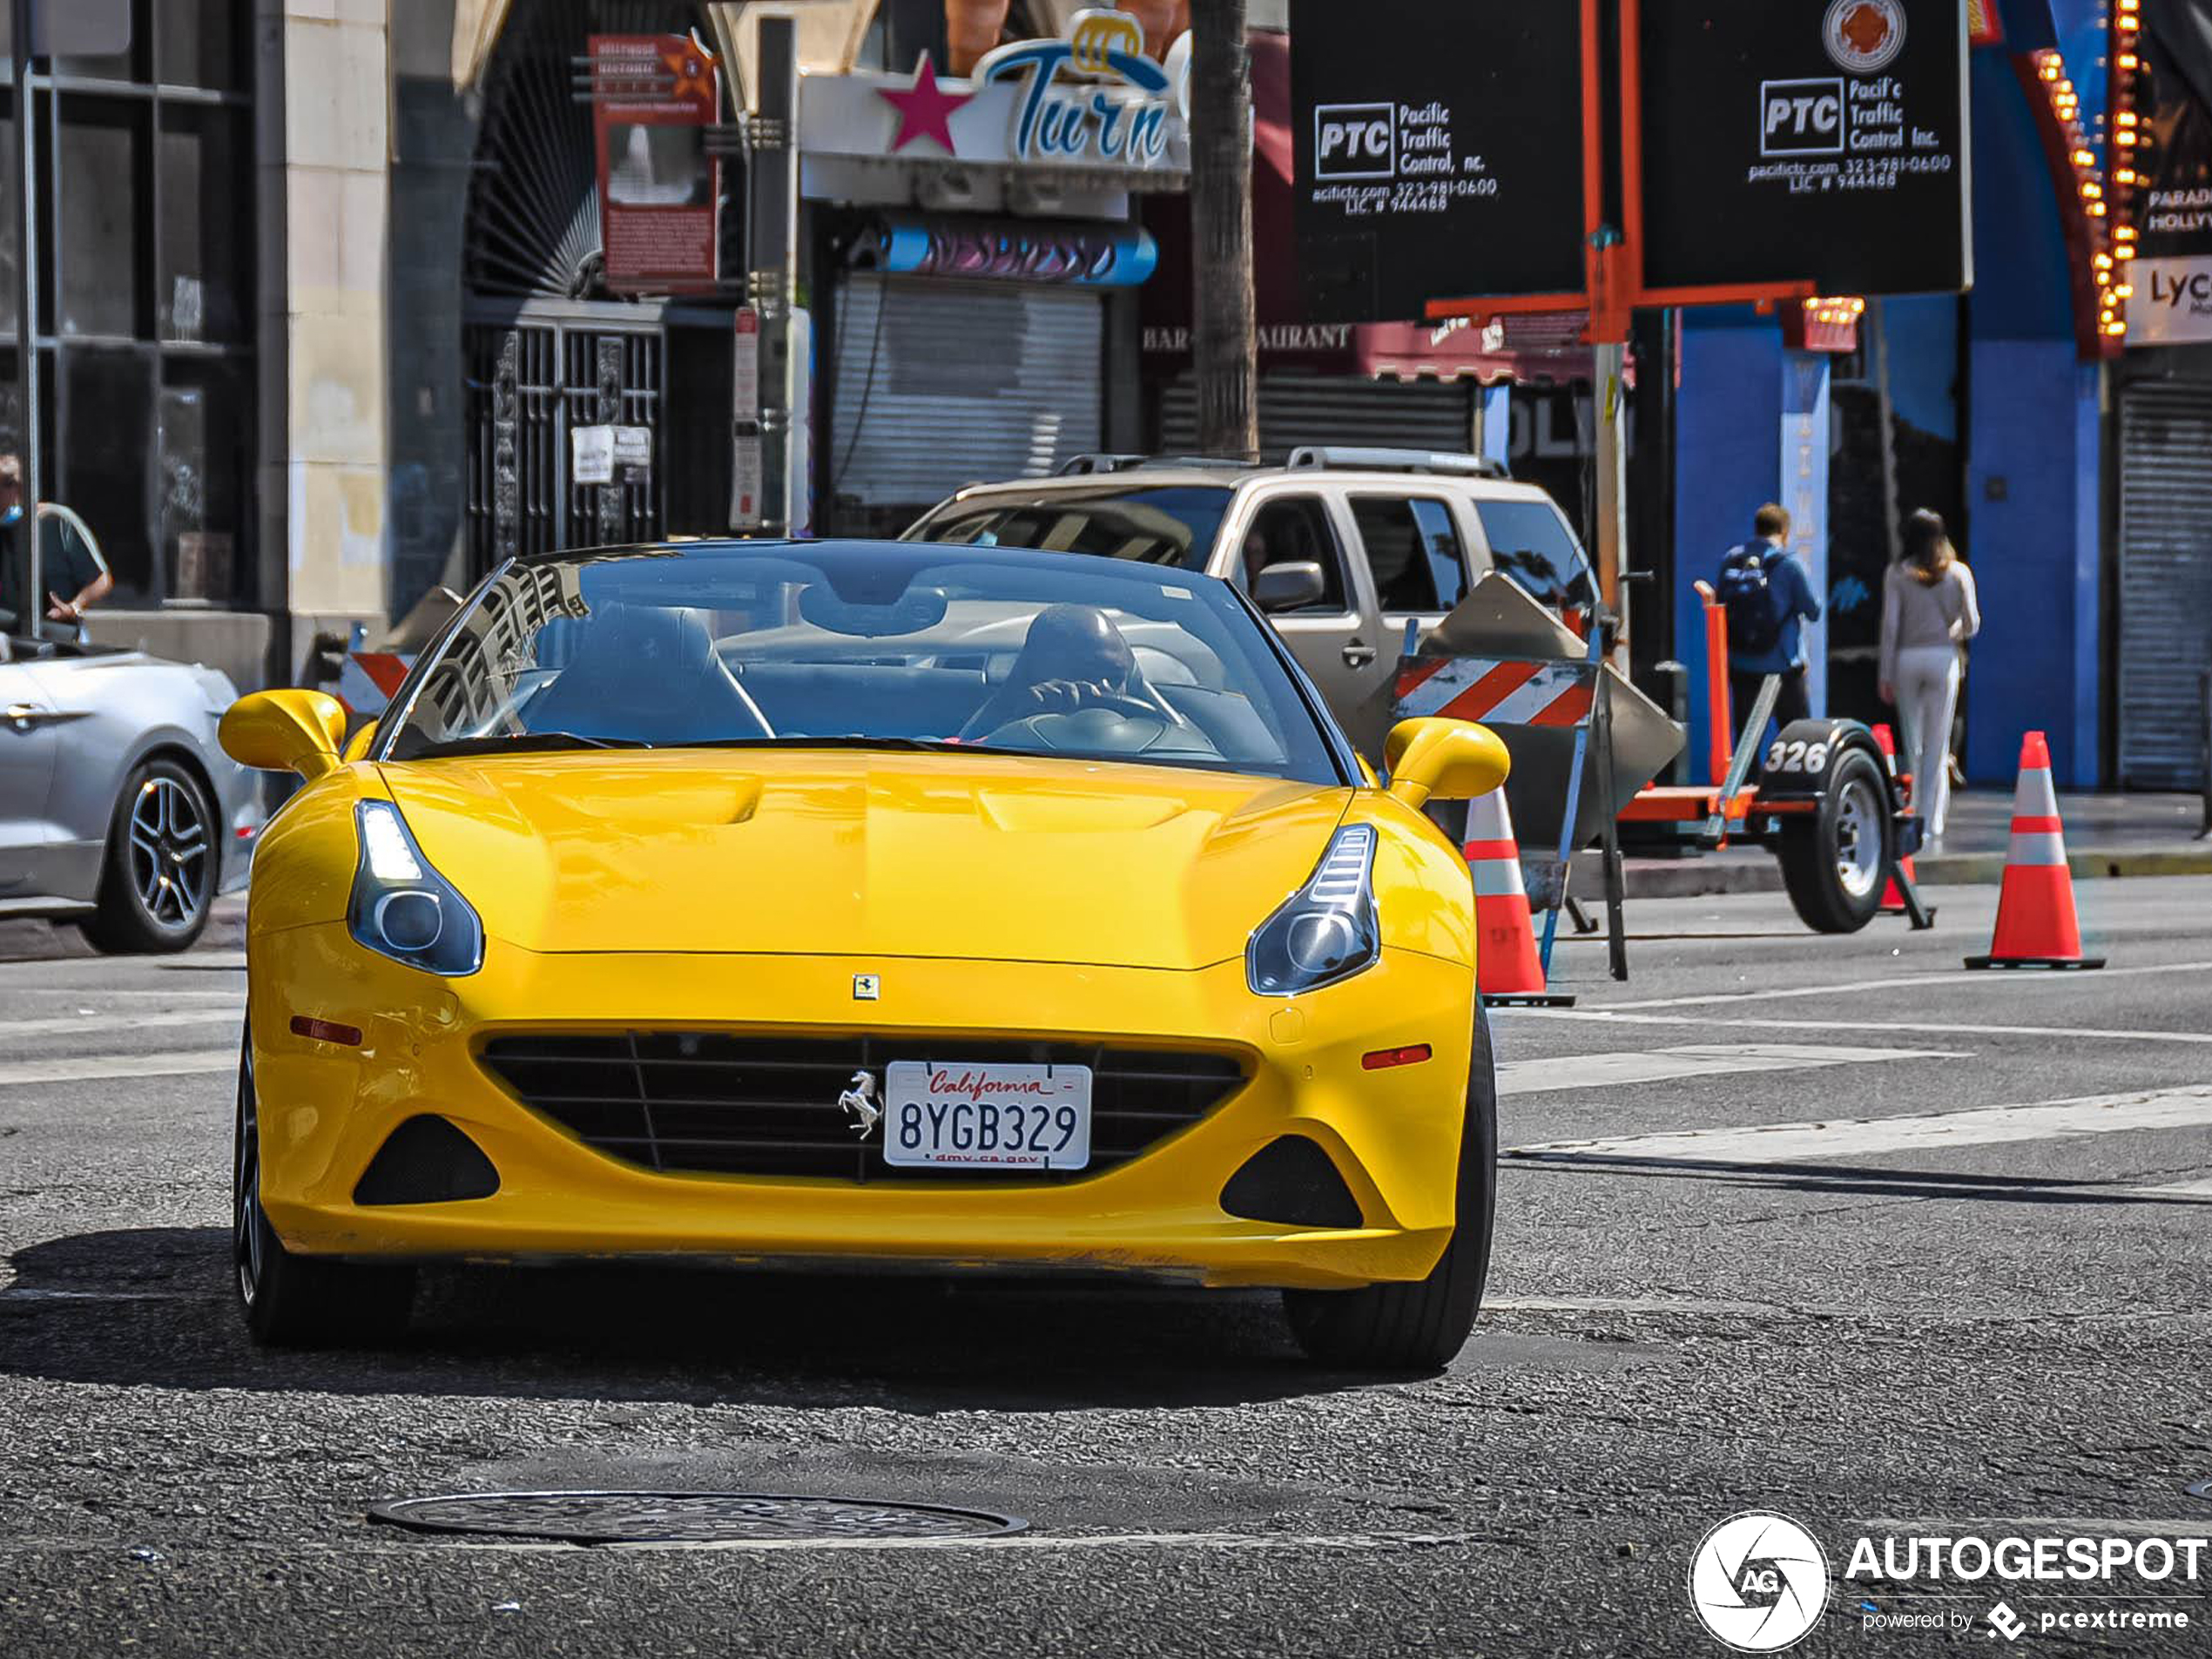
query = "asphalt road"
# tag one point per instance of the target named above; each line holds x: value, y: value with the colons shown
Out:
x: 1994, y: 1323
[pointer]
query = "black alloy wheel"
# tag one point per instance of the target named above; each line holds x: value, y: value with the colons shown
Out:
x: 294, y: 1301
x: 1420, y: 1325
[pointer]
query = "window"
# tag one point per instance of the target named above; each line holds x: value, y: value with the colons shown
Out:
x: 144, y: 168
x: 1171, y: 525
x: 1413, y: 550
x: 1294, y: 529
x: 1531, y: 544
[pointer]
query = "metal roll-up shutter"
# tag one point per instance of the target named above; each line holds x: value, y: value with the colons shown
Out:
x: 2165, y: 581
x: 1301, y: 408
x: 941, y: 384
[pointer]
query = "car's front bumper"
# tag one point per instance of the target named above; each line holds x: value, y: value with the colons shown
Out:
x: 326, y: 1110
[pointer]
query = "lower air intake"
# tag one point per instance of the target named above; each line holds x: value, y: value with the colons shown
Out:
x: 1292, y: 1181
x: 426, y: 1160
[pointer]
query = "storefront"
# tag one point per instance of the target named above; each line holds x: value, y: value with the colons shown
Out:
x: 144, y: 170
x: 973, y: 262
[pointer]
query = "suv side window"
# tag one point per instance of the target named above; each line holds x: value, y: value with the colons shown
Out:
x: 1413, y: 550
x: 1290, y: 529
x: 1532, y: 544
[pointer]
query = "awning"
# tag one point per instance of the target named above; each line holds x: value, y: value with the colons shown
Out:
x: 1516, y: 349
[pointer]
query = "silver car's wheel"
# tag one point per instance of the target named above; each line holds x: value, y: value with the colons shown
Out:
x: 163, y: 861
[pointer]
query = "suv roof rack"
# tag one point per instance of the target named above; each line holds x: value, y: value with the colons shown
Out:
x: 1318, y: 457
x: 1075, y: 466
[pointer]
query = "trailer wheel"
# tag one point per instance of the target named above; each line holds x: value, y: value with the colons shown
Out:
x: 1835, y: 861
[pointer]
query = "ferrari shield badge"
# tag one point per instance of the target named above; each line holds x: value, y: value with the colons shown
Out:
x: 866, y: 987
x: 859, y: 1100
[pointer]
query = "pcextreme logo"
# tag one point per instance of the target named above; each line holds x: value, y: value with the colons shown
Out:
x: 1758, y: 1581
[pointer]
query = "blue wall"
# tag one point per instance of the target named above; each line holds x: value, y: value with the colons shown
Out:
x: 2034, y: 462
x: 1728, y: 428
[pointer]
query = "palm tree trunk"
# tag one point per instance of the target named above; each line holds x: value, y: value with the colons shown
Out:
x: 1223, y: 345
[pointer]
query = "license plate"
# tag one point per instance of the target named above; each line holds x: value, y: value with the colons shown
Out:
x: 961, y: 1115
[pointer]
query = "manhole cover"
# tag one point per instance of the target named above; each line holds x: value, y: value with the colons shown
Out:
x: 2201, y: 1490
x: 683, y: 1517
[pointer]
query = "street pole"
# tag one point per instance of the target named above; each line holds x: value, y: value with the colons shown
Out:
x: 1612, y: 412
x: 773, y: 255
x: 27, y: 313
x: 1223, y: 336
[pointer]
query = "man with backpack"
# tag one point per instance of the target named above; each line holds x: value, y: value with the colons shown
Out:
x: 1768, y: 596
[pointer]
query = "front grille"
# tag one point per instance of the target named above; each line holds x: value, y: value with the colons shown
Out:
x: 709, y: 1101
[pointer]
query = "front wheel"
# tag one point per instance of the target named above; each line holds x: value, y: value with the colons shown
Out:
x: 292, y: 1301
x: 158, y: 883
x: 1419, y: 1326
x: 1836, y: 861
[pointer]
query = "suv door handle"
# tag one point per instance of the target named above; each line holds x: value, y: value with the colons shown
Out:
x: 23, y: 716
x: 1358, y: 654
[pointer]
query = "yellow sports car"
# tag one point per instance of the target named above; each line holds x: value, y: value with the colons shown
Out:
x: 870, y: 906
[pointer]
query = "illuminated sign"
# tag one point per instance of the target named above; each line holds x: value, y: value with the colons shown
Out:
x: 1090, y: 103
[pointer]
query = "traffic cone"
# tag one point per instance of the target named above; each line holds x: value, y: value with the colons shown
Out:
x: 1892, y: 900
x: 1508, y: 972
x: 2036, y: 921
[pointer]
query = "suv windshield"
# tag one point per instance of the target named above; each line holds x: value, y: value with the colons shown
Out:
x: 1167, y: 525
x: 891, y: 645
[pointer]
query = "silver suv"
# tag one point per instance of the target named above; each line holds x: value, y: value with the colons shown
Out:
x: 1392, y: 535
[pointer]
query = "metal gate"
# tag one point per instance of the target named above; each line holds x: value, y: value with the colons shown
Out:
x: 532, y: 378
x: 1299, y: 408
x: 2165, y: 581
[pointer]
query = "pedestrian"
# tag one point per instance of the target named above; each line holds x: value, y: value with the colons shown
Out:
x: 1769, y: 598
x: 1929, y: 612
x: 72, y: 571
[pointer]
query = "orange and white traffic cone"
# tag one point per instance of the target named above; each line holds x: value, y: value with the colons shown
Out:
x: 1507, y: 971
x: 2036, y: 927
x: 1892, y: 900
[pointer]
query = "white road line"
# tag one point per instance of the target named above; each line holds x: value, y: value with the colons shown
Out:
x: 2180, y: 1189
x: 1880, y: 1024
x: 1879, y: 1136
x: 62, y: 1026
x: 93, y: 1068
x: 403, y: 1542
x: 1691, y: 1060
x: 1907, y: 982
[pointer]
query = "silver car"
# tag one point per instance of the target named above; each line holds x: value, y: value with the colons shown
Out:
x: 118, y: 809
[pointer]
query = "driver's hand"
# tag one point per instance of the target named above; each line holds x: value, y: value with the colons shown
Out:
x: 1052, y: 696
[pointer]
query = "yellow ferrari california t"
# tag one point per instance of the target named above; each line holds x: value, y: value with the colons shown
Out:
x: 868, y: 907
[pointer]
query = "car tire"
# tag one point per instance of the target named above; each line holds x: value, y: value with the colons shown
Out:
x: 1836, y: 862
x: 1420, y: 1325
x: 164, y: 859
x: 290, y: 1300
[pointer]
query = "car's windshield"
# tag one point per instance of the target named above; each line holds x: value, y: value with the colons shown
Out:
x: 1532, y: 544
x: 891, y: 645
x: 1160, y: 524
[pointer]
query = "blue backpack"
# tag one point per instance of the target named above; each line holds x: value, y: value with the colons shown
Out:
x: 1748, y: 593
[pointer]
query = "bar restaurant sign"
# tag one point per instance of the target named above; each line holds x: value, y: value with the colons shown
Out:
x: 1090, y: 103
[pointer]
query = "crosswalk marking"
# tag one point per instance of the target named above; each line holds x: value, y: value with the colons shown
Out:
x: 92, y: 1067
x: 1769, y: 1143
x: 1825, y: 1021
x: 1690, y: 1060
x: 65, y: 1025
x: 1905, y: 982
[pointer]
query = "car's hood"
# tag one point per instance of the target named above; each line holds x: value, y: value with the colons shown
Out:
x: 866, y: 854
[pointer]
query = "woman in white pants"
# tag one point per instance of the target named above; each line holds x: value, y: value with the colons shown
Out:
x: 1928, y: 614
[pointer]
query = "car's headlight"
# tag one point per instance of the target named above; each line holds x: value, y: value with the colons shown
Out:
x: 1326, y: 930
x: 403, y: 908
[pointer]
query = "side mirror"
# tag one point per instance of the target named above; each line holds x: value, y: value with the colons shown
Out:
x: 1289, y: 587
x: 357, y: 745
x: 1443, y: 760
x: 284, y: 731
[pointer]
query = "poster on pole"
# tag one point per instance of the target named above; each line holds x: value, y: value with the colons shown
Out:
x: 1438, y: 151
x: 1815, y: 140
x: 653, y: 97
x: 2172, y: 203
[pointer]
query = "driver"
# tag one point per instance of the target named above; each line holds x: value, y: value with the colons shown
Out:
x: 1074, y: 656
